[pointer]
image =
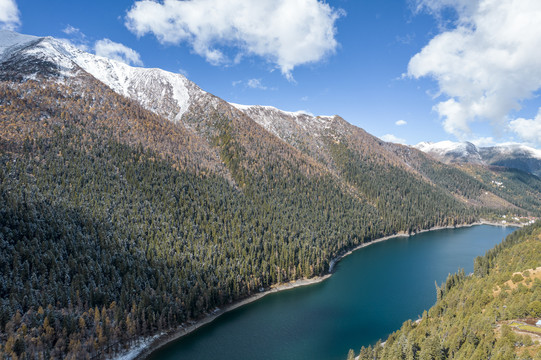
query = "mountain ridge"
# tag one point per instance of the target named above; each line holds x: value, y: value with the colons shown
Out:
x: 512, y: 155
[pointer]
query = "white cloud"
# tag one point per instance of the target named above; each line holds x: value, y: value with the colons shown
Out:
x: 252, y: 84
x: 9, y: 15
x: 483, y: 141
x: 401, y: 123
x: 464, y: 7
x: 486, y: 64
x: 393, y: 139
x: 77, y: 38
x: 116, y: 51
x: 287, y: 33
x: 71, y: 30
x: 256, y: 84
x: 75, y: 42
x: 528, y: 129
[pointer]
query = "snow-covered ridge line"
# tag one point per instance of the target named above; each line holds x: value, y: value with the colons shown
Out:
x: 508, y: 148
x: 447, y: 146
x: 11, y: 41
x: 157, y: 90
x: 272, y: 108
x: 162, y: 92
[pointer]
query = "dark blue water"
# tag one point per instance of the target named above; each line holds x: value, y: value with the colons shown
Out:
x: 371, y: 294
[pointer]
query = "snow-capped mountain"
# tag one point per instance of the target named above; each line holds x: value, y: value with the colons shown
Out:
x: 163, y: 92
x: 272, y: 119
x: 315, y: 135
x: 167, y: 94
x: 174, y: 97
x: 511, y: 149
x: 517, y: 156
x: 448, y: 151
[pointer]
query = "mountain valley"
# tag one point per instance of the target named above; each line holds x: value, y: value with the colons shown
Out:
x: 134, y: 201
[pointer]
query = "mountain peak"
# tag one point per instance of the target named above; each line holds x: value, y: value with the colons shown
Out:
x: 449, y: 151
x: 23, y: 57
x: 511, y: 155
x: 10, y: 41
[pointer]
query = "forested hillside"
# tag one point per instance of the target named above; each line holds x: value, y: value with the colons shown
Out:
x: 487, y: 315
x: 117, y: 222
x: 113, y: 228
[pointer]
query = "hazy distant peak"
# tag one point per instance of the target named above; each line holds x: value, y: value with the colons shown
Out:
x: 516, y: 149
x: 449, y: 151
x: 511, y: 155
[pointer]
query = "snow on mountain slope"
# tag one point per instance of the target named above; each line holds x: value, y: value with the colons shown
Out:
x: 283, y: 123
x: 511, y: 155
x: 157, y: 90
x: 305, y: 132
x: 514, y: 149
x: 11, y: 41
x: 449, y: 151
x: 517, y: 156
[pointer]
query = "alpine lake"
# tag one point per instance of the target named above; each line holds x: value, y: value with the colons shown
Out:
x: 371, y: 293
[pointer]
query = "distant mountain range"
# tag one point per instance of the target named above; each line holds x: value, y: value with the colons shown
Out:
x: 515, y: 156
x: 135, y: 201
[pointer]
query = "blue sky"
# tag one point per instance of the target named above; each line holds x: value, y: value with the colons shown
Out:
x: 418, y: 70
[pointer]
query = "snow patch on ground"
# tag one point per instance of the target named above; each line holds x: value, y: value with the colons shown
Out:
x: 136, y: 349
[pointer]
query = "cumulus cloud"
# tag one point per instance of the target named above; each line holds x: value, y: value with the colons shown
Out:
x: 464, y: 7
x: 401, y: 123
x: 116, y: 51
x: 528, y: 129
x: 393, y: 139
x: 286, y: 33
x: 9, y: 15
x: 486, y: 64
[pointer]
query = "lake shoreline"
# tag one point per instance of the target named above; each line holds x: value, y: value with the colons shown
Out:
x: 143, y: 352
x: 334, y: 261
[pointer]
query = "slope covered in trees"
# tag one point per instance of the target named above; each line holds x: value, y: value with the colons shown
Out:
x: 117, y: 224
x: 479, y: 316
